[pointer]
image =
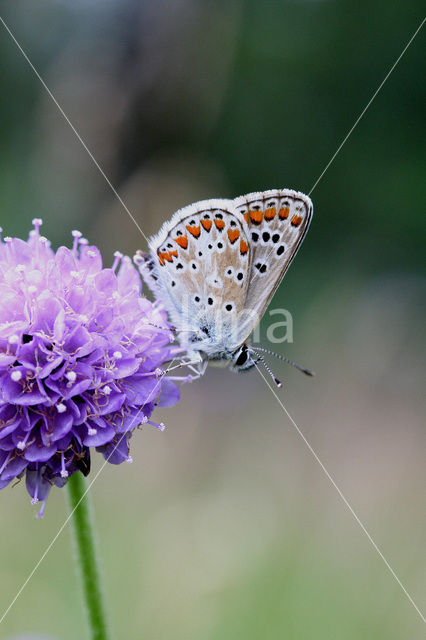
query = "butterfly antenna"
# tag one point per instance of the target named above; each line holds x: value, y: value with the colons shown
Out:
x: 307, y: 372
x: 263, y: 361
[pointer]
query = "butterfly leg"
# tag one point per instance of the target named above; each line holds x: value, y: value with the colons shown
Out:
x: 193, y: 358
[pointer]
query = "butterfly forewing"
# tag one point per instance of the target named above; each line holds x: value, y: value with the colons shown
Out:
x: 277, y: 221
x: 200, y: 264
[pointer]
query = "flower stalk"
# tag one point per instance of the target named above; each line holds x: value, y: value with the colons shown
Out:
x: 87, y: 561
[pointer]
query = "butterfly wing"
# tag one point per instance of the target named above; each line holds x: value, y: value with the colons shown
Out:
x: 199, y: 266
x: 277, y: 222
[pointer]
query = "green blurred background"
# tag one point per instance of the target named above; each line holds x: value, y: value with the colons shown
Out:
x: 225, y: 526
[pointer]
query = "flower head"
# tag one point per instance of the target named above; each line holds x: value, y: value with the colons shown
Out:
x: 79, y: 360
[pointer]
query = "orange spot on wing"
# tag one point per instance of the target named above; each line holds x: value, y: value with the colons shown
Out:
x: 246, y: 217
x: 182, y: 241
x: 243, y: 247
x: 256, y: 216
x: 233, y: 235
x: 219, y: 224
x: 283, y: 213
x: 168, y: 255
x: 270, y: 213
x: 193, y: 230
x: 207, y: 224
x: 296, y: 220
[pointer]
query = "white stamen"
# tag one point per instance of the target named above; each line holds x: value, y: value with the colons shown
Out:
x: 37, y: 222
x: 19, y: 268
x: 84, y: 241
x: 71, y: 376
x: 16, y: 375
x: 115, y: 295
x: 32, y: 288
x: 129, y: 459
x: 14, y: 339
x: 8, y: 239
x: 34, y: 500
x: 158, y: 372
x: 61, y: 407
x: 74, y: 274
x: 107, y: 390
x: 161, y: 426
x: 144, y: 420
x: 118, y: 254
x: 21, y: 445
x: 44, y: 240
x: 92, y: 432
x: 91, y: 253
x: 64, y: 473
x: 117, y: 355
x: 76, y: 234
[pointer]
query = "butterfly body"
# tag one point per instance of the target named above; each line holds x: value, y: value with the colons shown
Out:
x: 216, y: 264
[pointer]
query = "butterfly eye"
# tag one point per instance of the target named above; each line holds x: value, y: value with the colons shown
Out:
x: 242, y: 358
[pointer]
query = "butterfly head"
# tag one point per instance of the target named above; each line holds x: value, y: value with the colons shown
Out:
x: 245, y: 358
x: 241, y: 359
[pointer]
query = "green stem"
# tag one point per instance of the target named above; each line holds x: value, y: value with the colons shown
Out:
x: 86, y: 557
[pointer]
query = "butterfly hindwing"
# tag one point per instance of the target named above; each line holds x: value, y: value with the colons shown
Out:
x: 199, y: 267
x: 277, y: 222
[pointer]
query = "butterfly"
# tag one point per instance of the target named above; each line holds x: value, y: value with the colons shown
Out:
x: 216, y: 265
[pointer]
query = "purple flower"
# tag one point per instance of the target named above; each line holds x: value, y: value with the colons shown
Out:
x: 79, y: 360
